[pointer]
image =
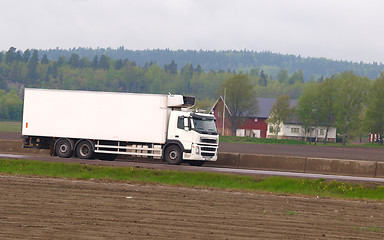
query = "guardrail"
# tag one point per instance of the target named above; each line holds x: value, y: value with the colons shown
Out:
x: 265, y: 162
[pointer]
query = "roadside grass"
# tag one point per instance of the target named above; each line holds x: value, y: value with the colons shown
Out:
x: 279, y: 185
x: 376, y: 145
x: 252, y: 140
x: 10, y: 127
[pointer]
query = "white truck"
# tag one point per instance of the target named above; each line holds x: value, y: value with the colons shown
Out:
x: 88, y: 124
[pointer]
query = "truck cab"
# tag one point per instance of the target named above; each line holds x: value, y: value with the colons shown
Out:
x: 195, y: 135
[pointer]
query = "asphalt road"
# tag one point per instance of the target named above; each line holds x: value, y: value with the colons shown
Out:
x: 318, y: 151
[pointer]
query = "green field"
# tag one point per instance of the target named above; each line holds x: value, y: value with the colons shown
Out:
x: 252, y: 140
x: 234, y: 139
x: 16, y: 128
x: 10, y: 127
x: 279, y: 185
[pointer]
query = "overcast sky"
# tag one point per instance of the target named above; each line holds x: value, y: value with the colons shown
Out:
x: 350, y: 30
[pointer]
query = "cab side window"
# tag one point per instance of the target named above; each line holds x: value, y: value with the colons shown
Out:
x: 180, y: 122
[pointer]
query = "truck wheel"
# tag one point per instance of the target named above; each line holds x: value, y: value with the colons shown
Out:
x: 84, y: 150
x: 63, y: 148
x: 173, y: 155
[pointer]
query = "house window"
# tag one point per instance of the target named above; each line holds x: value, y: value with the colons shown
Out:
x: 294, y: 130
x: 271, y: 129
x: 321, y: 131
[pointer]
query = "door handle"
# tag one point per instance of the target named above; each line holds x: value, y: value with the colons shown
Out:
x: 177, y: 136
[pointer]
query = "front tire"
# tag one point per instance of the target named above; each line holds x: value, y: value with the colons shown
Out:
x: 173, y: 155
x: 64, y: 148
x: 84, y: 150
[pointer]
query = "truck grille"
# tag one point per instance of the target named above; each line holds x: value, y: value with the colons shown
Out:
x: 208, y: 140
x: 207, y: 154
x: 208, y: 149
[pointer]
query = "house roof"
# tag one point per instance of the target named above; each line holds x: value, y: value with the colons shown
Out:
x: 264, y: 107
x: 226, y: 107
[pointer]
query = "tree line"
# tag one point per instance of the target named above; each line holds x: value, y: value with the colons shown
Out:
x: 349, y: 102
x: 346, y: 100
x: 20, y: 69
x: 243, y: 60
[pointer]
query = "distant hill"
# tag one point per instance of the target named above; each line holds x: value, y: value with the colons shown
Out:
x: 270, y: 63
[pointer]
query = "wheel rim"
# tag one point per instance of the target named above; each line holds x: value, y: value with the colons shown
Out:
x: 84, y: 150
x: 173, y: 155
x: 63, y: 148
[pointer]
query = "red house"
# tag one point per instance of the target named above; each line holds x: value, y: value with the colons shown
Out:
x: 253, y: 125
x: 223, y: 122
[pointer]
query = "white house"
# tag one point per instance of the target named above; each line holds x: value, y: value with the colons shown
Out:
x: 297, y: 131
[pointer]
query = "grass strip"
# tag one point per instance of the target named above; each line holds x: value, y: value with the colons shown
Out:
x: 233, y: 139
x: 252, y: 140
x: 10, y: 127
x: 281, y: 185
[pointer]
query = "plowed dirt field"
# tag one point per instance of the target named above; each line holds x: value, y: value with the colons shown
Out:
x: 47, y: 208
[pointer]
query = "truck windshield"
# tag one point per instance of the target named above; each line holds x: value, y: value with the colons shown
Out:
x: 205, y: 125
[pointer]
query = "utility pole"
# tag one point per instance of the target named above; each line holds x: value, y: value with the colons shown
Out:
x: 223, y: 131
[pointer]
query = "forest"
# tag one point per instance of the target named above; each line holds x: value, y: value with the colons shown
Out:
x: 197, y: 73
x: 229, y: 60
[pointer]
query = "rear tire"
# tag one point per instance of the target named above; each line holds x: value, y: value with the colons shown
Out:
x: 64, y: 148
x: 84, y: 150
x: 173, y: 155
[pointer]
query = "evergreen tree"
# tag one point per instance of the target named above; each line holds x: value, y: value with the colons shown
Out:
x: 171, y: 68
x: 44, y: 60
x: 26, y: 55
x: 10, y: 55
x: 19, y: 56
x: 198, y: 69
x: 84, y: 62
x: 3, y: 84
x: 263, y: 79
x: 74, y: 60
x: 95, y: 62
x: 61, y: 61
x: 104, y: 62
x: 32, y: 65
x: 55, y: 69
x: 119, y: 64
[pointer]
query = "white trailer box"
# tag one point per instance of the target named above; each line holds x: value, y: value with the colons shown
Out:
x: 97, y: 115
x: 88, y: 124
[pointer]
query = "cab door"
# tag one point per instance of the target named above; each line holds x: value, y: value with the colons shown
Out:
x: 184, y: 132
